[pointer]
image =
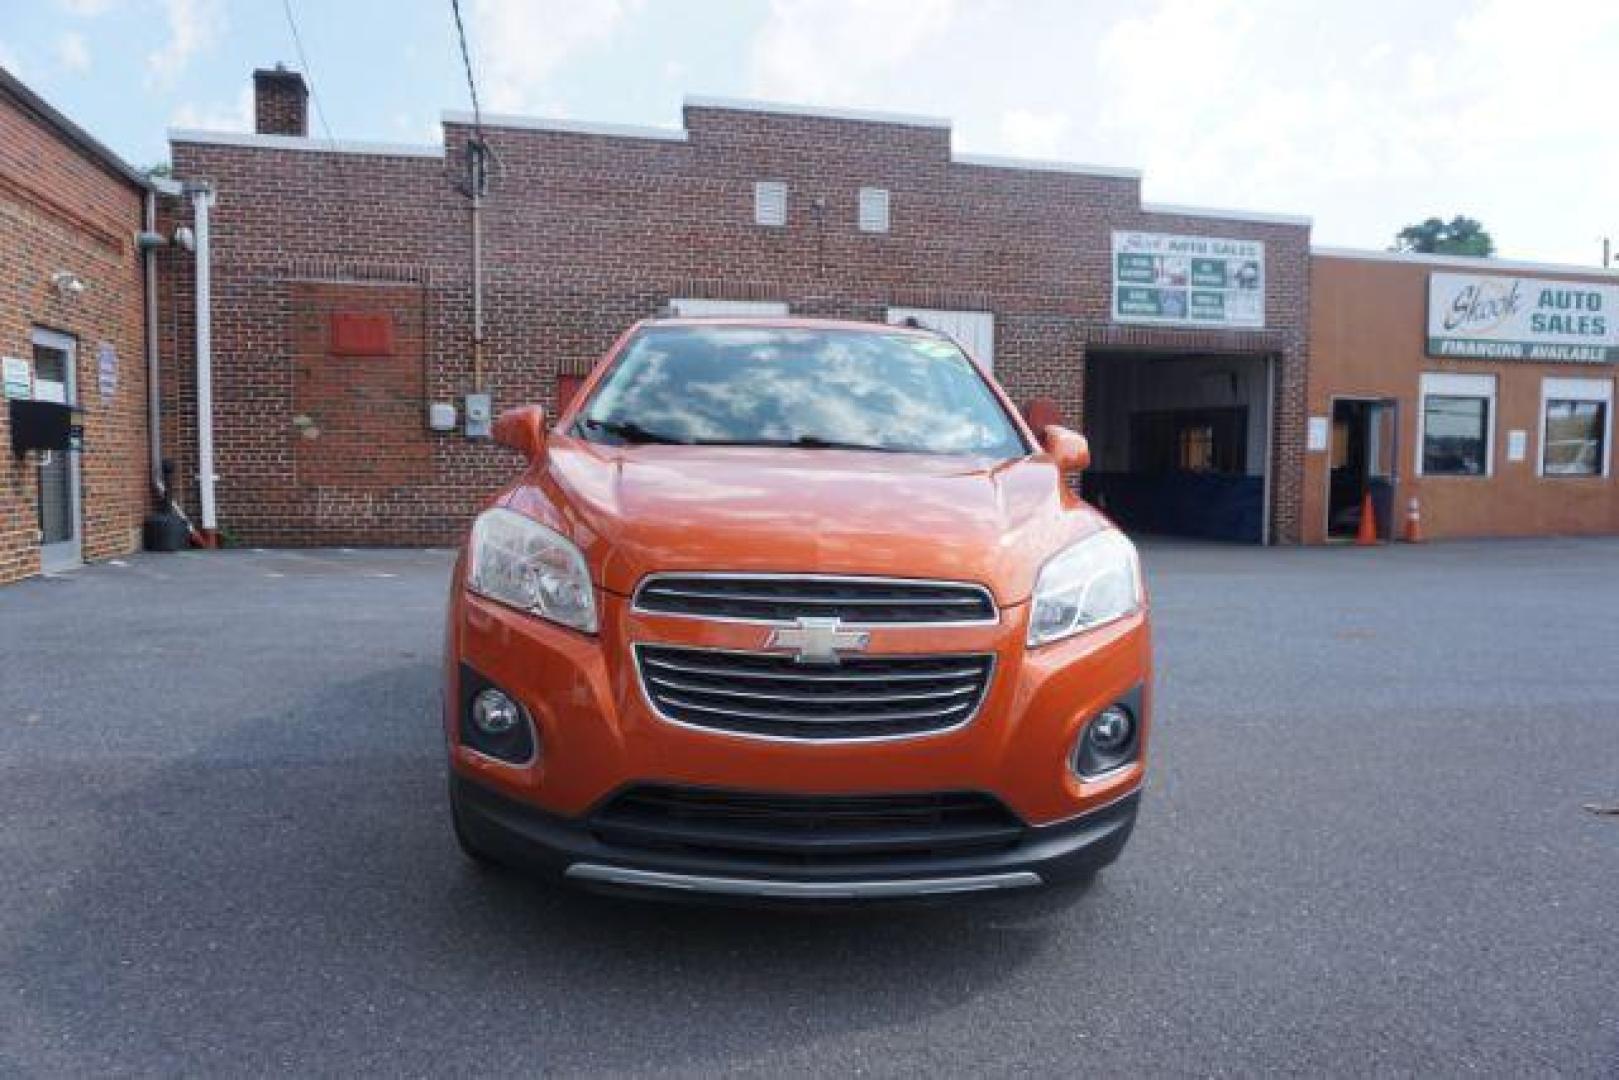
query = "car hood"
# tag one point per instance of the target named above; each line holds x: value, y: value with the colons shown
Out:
x: 638, y: 509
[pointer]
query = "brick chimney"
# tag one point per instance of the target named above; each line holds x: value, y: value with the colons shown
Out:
x: 280, y: 102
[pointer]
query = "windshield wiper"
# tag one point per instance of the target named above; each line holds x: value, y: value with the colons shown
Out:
x: 807, y: 442
x: 631, y: 432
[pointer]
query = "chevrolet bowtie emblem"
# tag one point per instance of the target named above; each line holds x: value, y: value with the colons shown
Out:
x: 818, y: 641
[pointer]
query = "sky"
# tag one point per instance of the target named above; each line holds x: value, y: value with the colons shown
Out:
x: 1365, y: 115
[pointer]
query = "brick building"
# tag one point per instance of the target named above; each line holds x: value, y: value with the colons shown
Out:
x: 72, y: 334
x: 342, y: 283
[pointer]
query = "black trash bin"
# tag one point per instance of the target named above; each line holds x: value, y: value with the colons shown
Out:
x: 164, y: 532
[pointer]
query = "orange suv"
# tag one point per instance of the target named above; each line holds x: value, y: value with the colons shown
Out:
x: 795, y: 610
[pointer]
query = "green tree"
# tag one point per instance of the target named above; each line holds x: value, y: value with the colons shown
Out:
x: 1460, y: 235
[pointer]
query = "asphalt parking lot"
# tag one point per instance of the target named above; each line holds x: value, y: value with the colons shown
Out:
x: 1364, y: 848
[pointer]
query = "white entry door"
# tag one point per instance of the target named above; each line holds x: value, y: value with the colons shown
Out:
x: 60, y: 519
x: 694, y: 306
x: 974, y: 331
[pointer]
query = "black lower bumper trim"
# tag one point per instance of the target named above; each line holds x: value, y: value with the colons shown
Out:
x: 564, y: 848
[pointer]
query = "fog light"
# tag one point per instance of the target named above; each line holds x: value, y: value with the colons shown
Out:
x: 1112, y: 730
x: 1111, y: 740
x: 495, y: 714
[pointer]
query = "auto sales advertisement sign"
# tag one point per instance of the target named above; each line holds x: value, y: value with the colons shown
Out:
x: 1478, y: 317
x: 1188, y: 280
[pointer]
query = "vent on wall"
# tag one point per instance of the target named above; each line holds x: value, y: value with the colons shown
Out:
x: 770, y: 202
x: 873, y: 209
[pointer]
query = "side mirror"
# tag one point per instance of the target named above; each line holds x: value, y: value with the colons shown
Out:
x: 522, y: 429
x: 1041, y: 412
x: 1069, y: 448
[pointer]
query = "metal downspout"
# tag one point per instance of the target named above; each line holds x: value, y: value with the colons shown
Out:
x: 201, y: 199
x: 154, y: 397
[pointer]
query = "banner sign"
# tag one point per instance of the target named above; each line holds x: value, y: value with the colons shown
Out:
x: 1188, y: 280
x: 1471, y: 316
x: 18, y: 377
x: 107, y: 370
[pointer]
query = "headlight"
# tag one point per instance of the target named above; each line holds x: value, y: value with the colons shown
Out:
x: 522, y: 563
x: 1094, y: 582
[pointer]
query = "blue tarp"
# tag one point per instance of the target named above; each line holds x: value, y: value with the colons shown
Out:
x: 1211, y: 506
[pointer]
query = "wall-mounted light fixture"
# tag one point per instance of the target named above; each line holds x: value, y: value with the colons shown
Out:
x: 67, y: 283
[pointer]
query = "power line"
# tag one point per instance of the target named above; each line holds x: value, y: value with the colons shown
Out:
x: 309, y: 72
x: 466, y: 60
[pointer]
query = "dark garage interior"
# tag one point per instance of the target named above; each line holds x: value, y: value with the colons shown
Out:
x: 1179, y: 442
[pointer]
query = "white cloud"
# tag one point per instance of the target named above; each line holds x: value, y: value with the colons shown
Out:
x: 237, y: 116
x: 72, y: 52
x: 192, y: 26
x: 518, y: 45
x: 86, y: 9
x: 840, y: 51
x: 1494, y: 114
x: 8, y: 60
x: 1034, y: 133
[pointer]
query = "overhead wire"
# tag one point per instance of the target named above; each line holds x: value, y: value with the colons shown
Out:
x: 309, y: 72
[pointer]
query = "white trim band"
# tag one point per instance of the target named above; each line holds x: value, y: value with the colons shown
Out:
x: 997, y: 161
x: 821, y: 112
x: 1228, y: 215
x: 1471, y: 262
x: 567, y: 127
x: 294, y: 142
x: 776, y: 889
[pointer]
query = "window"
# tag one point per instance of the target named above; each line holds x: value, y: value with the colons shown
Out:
x: 770, y: 203
x: 873, y: 209
x: 745, y: 308
x: 974, y: 331
x: 1456, y: 426
x: 718, y: 385
x: 1165, y: 441
x: 1197, y: 448
x: 1575, y: 426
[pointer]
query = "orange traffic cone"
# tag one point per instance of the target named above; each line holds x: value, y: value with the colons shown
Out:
x: 1366, y: 535
x: 1413, y: 523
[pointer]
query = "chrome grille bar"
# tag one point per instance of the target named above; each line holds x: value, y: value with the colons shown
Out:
x: 837, y: 674
x: 770, y: 695
x: 928, y: 695
x: 778, y: 598
x: 815, y: 718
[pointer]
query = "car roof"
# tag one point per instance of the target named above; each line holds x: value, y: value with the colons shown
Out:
x: 787, y: 322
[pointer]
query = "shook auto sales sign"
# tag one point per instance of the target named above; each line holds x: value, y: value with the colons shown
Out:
x: 1471, y: 316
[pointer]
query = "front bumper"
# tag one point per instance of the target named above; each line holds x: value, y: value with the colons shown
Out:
x: 574, y: 850
x: 597, y: 733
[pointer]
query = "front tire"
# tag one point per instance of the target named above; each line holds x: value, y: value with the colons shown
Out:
x: 470, y: 847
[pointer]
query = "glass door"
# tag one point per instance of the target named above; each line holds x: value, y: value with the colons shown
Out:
x: 1382, y: 462
x: 60, y: 522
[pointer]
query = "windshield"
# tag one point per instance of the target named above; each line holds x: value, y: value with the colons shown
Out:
x: 778, y: 386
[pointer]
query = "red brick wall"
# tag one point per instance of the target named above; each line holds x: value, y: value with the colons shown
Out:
x: 586, y: 233
x: 63, y: 210
x: 280, y: 103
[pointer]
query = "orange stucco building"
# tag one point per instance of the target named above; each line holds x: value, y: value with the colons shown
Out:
x: 1482, y: 388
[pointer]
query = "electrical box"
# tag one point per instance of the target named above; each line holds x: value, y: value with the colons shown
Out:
x: 41, y: 425
x: 480, y: 415
x: 441, y: 416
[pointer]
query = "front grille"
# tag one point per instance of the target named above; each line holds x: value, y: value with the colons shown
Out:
x: 863, y: 697
x: 773, y: 598
x: 805, y: 830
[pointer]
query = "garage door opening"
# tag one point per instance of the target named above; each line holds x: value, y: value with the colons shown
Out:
x: 1180, y: 443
